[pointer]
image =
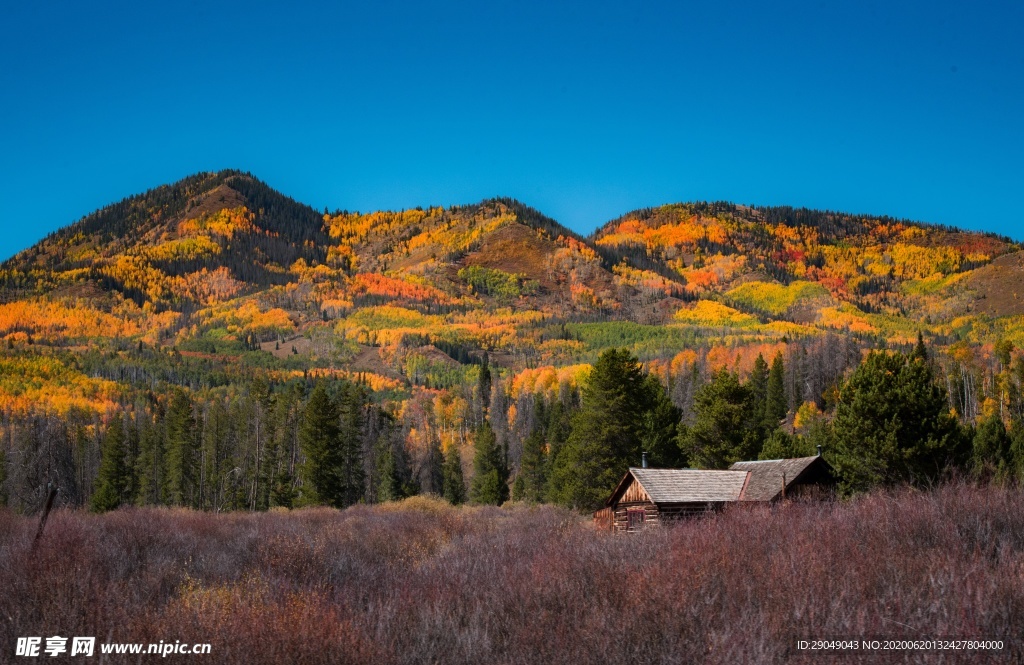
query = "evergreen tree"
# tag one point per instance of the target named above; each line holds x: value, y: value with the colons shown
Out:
x: 352, y: 475
x: 758, y: 384
x: 992, y: 447
x: 432, y: 474
x: 607, y: 431
x: 1016, y: 463
x: 798, y: 373
x: 532, y: 476
x: 320, y: 441
x: 182, y: 452
x: 287, y: 406
x: 484, y: 383
x: 775, y: 407
x: 388, y: 486
x: 216, y: 462
x: 892, y: 424
x: 151, y: 464
x: 660, y: 428
x: 559, y: 427
x: 723, y: 430
x: 282, y: 491
x: 782, y: 445
x: 261, y: 427
x: 488, y: 486
x: 114, y: 478
x: 454, y: 483
x: 920, y: 350
x: 131, y: 442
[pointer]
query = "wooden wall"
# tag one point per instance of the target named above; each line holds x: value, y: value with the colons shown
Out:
x: 621, y: 510
x: 634, y: 493
x: 655, y: 515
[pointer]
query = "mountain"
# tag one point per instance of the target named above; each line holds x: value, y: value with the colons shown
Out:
x: 243, y: 280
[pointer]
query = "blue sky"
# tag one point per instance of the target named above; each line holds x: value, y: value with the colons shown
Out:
x: 583, y: 110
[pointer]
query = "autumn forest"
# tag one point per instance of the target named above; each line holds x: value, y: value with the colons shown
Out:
x: 216, y: 345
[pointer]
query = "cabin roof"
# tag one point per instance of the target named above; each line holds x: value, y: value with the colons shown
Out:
x: 687, y: 485
x: 766, y: 476
x: 743, y: 481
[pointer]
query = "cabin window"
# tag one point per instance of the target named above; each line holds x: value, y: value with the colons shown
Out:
x: 635, y: 518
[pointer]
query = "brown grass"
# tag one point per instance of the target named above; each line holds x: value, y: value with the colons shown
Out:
x: 427, y: 583
x: 998, y: 286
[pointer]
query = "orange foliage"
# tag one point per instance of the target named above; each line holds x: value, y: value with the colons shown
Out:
x: 682, y: 234
x: 55, y: 319
x: 700, y: 280
x: 382, y: 285
x: 225, y: 223
x: 207, y: 287
x: 247, y: 317
x: 741, y: 358
x: 646, y: 281
x: 682, y: 361
x: 547, y: 380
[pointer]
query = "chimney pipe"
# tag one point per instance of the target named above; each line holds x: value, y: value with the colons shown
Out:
x: 643, y: 460
x: 819, y: 450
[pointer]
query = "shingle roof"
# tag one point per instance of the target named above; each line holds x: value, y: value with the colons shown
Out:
x: 690, y: 485
x: 766, y: 476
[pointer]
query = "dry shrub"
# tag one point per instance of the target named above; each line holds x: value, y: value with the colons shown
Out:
x: 423, y: 582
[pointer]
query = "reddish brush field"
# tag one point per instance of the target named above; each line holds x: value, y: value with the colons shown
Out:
x: 422, y: 582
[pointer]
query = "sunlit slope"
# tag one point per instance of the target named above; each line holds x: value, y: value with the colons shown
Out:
x: 237, y: 279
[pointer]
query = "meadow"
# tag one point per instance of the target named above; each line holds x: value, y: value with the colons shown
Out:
x: 421, y: 581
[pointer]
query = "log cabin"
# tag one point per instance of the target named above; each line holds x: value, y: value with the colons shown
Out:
x: 648, y: 497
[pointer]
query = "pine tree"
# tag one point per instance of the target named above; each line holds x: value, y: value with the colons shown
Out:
x: 215, y: 437
x: 782, y: 445
x: 660, y: 427
x: 532, y: 478
x: 352, y: 475
x: 432, y: 472
x: 484, y: 384
x: 892, y: 424
x: 151, y: 464
x: 388, y: 486
x: 607, y: 432
x: 1017, y: 450
x: 758, y: 384
x: 723, y: 431
x: 114, y: 477
x: 488, y: 487
x: 992, y: 447
x: 182, y: 452
x: 775, y: 407
x: 920, y: 350
x: 261, y: 427
x: 320, y: 441
x: 798, y: 376
x: 454, y: 483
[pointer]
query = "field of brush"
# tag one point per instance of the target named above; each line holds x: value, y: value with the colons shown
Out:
x: 424, y: 582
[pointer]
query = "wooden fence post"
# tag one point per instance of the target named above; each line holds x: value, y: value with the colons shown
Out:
x: 51, y: 495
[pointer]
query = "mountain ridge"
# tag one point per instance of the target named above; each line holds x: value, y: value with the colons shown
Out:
x: 222, y: 265
x: 202, y: 182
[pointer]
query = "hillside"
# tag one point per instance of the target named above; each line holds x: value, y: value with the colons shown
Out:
x: 221, y: 261
x: 218, y: 283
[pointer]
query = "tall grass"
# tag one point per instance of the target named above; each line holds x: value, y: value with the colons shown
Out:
x: 422, y: 582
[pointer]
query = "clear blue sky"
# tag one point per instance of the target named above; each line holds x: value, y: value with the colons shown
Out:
x: 583, y: 110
